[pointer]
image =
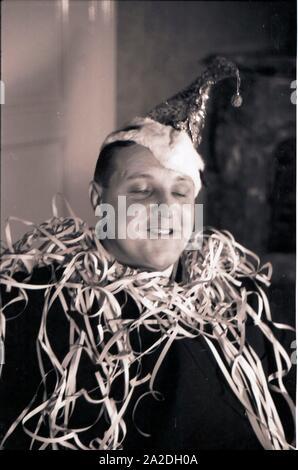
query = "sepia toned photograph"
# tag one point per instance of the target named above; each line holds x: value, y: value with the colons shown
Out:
x: 148, y: 228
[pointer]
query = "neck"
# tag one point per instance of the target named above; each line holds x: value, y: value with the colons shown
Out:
x: 170, y: 270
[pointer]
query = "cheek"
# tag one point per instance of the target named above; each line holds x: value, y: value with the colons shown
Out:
x: 135, y: 222
x: 184, y: 220
x: 188, y: 219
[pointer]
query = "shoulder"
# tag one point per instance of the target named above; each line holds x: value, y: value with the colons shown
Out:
x: 11, y: 284
x: 22, y: 302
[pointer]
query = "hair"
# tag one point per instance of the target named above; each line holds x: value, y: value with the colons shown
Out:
x: 105, y: 165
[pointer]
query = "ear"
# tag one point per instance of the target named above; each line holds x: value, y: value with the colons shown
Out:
x: 95, y: 193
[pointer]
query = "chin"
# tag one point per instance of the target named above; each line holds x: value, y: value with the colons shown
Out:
x: 162, y: 262
x: 155, y: 257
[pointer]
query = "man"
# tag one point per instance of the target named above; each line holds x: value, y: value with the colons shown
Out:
x: 139, y: 177
x: 142, y: 340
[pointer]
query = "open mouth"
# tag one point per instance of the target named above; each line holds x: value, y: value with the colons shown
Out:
x: 160, y: 231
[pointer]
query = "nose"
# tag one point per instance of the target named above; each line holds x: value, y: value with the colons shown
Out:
x: 162, y: 205
x: 164, y: 197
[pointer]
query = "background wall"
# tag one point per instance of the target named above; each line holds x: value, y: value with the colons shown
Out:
x: 160, y: 43
x: 59, y: 68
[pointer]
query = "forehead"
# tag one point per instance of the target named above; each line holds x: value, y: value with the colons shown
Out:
x: 134, y: 156
x: 136, y: 159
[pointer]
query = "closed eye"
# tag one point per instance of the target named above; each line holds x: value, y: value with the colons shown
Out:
x: 179, y: 194
x: 137, y: 191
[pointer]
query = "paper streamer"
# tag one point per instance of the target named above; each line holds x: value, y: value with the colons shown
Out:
x: 210, y: 301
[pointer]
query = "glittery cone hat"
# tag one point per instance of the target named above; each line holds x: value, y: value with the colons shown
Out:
x: 187, y: 109
x: 172, y: 130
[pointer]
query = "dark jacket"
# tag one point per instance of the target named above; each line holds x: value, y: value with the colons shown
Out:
x: 199, y: 410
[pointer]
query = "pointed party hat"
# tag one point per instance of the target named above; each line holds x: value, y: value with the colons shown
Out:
x: 187, y: 109
x: 172, y: 130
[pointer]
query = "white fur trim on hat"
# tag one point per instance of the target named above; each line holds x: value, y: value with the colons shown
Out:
x: 172, y: 148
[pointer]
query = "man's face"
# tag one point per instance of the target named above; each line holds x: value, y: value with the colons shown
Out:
x: 154, y: 240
